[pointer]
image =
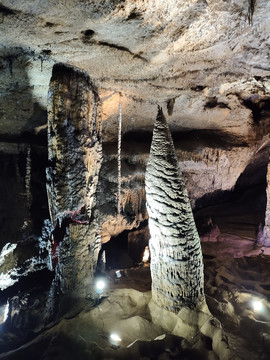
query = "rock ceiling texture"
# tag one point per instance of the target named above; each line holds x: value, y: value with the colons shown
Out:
x: 205, y: 62
x: 205, y: 59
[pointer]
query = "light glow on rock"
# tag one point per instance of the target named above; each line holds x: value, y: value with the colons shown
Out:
x: 4, y: 310
x: 257, y: 305
x: 6, y: 280
x: 115, y: 339
x: 100, y: 285
x: 7, y: 249
x: 146, y: 254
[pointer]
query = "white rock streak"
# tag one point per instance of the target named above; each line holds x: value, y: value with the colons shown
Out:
x: 119, y: 156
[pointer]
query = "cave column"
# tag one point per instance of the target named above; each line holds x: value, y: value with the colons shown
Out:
x: 75, y: 156
x: 264, y: 237
x: 176, y: 257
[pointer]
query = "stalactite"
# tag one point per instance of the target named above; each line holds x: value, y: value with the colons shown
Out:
x: 135, y: 199
x: 28, y: 178
x: 176, y: 257
x: 251, y: 8
x: 170, y: 106
x: 10, y: 64
x: 119, y: 156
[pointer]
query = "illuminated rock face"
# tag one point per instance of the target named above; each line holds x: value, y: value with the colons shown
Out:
x: 264, y: 235
x: 73, y: 141
x: 176, y: 258
x: 75, y: 156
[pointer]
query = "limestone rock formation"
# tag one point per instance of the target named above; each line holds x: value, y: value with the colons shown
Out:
x: 74, y: 143
x: 176, y: 258
x: 263, y: 237
x: 78, y: 257
x: 75, y: 156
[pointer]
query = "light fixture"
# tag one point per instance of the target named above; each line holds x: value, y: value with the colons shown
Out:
x: 118, y: 274
x: 146, y: 254
x: 115, y: 339
x: 100, y: 285
x: 257, y: 305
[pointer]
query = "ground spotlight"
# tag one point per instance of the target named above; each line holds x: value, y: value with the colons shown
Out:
x: 100, y: 285
x: 257, y: 305
x: 115, y: 339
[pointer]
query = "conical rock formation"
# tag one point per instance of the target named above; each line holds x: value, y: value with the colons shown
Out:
x: 176, y: 257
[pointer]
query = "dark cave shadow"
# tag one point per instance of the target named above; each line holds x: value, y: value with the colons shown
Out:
x: 244, y: 205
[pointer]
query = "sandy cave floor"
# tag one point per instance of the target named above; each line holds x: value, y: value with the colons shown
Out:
x: 236, y: 273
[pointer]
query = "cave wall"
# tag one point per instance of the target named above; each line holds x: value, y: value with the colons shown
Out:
x: 23, y: 156
x: 23, y: 210
x: 25, y: 76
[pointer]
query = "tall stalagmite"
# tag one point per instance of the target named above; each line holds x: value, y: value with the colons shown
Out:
x: 176, y: 257
x: 264, y: 235
x: 75, y: 155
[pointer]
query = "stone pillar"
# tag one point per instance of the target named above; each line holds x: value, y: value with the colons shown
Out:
x: 75, y: 156
x: 264, y: 235
x: 176, y: 257
x: 78, y: 258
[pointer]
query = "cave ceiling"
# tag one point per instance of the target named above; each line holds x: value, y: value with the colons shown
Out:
x: 205, y: 62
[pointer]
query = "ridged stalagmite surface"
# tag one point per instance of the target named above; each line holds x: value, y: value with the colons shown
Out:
x: 264, y: 235
x: 176, y: 258
x: 75, y: 157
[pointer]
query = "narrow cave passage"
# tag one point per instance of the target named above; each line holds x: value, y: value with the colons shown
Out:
x: 117, y: 254
x: 126, y: 249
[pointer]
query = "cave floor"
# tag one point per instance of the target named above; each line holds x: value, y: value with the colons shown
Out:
x: 237, y: 272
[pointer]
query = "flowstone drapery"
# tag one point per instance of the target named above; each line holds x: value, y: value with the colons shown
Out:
x: 176, y: 257
x: 75, y: 155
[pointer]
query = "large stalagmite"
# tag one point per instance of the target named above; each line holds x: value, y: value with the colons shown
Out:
x: 264, y: 234
x: 75, y: 157
x: 176, y: 258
